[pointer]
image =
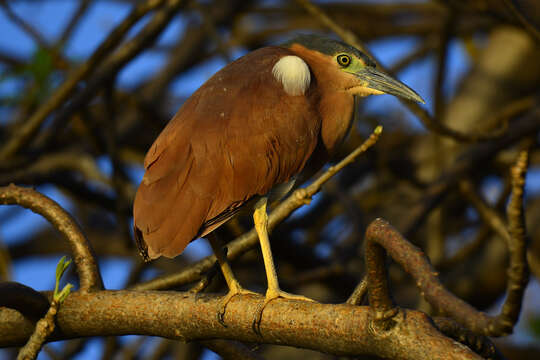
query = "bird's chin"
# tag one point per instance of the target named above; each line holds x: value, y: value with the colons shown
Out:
x: 363, y: 91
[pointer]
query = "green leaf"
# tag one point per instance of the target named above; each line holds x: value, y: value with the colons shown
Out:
x: 62, y: 295
x: 41, y: 66
x: 60, y: 269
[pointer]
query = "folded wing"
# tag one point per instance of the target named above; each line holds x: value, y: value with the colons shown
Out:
x: 223, y: 147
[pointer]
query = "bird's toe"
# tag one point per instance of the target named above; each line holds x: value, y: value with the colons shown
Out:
x: 237, y: 290
x: 272, y: 294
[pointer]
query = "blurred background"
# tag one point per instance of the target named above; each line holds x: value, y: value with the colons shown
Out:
x: 476, y: 63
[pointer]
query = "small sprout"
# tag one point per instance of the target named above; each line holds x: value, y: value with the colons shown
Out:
x: 60, y: 297
x: 62, y: 266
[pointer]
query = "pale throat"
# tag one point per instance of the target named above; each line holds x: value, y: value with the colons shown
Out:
x: 363, y: 91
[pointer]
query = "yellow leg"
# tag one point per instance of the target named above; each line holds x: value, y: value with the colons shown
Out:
x: 232, y: 283
x: 260, y: 218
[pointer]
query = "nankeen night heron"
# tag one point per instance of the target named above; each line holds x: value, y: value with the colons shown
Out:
x: 244, y: 136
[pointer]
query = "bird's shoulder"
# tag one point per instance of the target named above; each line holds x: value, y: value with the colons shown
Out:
x: 242, y: 98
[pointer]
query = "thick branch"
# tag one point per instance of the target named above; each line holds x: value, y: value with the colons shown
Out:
x: 482, y: 345
x: 337, y: 329
x: 24, y: 299
x: 381, y: 236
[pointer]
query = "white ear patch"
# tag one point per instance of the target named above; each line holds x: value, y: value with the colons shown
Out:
x: 293, y: 73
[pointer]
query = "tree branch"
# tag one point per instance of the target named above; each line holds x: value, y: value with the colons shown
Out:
x: 381, y: 236
x: 186, y: 317
x: 27, y: 301
x: 83, y: 255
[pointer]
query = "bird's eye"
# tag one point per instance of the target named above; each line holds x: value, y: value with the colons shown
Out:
x: 344, y: 60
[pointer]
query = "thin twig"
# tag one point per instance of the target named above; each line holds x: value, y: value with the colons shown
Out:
x: 486, y: 212
x: 314, y: 187
x: 422, y: 51
x: 467, y: 250
x: 205, y: 280
x: 518, y: 272
x: 511, y: 110
x: 44, y: 329
x: 79, y: 163
x: 46, y: 325
x: 73, y: 22
x: 523, y: 20
x: 209, y: 25
x: 357, y: 297
x: 442, y: 57
x: 26, y: 27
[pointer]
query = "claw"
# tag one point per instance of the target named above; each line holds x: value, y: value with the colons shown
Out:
x: 236, y: 289
x: 272, y: 294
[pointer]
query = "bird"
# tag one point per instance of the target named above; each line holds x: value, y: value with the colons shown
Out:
x: 244, y: 138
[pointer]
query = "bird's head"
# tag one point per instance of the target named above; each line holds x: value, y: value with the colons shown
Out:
x: 347, y: 69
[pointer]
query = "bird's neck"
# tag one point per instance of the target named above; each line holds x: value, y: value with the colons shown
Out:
x: 336, y: 110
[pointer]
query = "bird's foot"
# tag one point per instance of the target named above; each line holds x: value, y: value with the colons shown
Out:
x: 272, y: 294
x: 235, y: 289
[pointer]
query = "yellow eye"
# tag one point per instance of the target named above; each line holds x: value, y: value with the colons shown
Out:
x: 344, y: 60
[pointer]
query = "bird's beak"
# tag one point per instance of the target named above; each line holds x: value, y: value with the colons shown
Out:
x: 379, y: 81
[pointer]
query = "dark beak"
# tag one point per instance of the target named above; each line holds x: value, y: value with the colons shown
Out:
x: 380, y: 81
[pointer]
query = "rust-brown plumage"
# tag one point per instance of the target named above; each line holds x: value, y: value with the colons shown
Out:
x: 245, y: 131
x: 221, y: 149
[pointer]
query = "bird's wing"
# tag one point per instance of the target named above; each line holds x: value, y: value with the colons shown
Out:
x: 234, y: 138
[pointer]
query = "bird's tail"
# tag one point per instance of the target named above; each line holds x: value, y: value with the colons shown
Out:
x: 141, y: 244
